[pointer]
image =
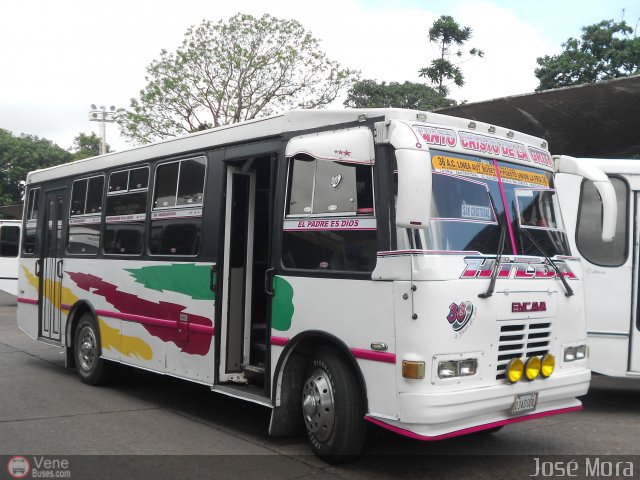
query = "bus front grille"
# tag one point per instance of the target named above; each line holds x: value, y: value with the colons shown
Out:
x: 522, y: 339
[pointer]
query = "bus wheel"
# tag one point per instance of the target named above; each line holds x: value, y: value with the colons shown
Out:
x: 92, y: 369
x: 332, y: 407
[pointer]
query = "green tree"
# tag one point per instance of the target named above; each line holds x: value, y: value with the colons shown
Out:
x: 448, y: 37
x: 606, y: 50
x: 18, y: 156
x: 85, y: 146
x: 370, y: 94
x: 232, y: 71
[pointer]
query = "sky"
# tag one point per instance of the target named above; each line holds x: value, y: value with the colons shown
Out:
x: 57, y: 57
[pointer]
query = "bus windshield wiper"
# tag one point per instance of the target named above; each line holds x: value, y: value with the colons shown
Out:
x: 567, y: 287
x: 496, y: 266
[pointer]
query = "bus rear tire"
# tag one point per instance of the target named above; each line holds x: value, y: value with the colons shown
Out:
x: 92, y: 369
x: 333, y: 407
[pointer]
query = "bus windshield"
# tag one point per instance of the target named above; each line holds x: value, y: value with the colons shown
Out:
x: 474, y: 198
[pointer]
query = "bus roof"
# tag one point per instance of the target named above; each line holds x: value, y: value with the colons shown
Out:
x: 268, y: 127
x: 614, y: 165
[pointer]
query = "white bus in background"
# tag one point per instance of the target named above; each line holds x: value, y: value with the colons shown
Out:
x: 398, y: 267
x: 610, y: 269
x: 9, y: 250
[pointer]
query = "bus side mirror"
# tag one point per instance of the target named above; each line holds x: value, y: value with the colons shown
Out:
x: 413, y: 207
x: 572, y: 165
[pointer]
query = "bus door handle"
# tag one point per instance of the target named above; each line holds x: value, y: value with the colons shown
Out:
x: 59, y: 269
x: 268, y: 281
x: 212, y: 277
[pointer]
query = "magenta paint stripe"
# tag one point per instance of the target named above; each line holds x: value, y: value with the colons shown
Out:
x: 157, y: 322
x: 28, y: 301
x: 506, y: 207
x: 467, y: 431
x: 279, y: 341
x: 373, y: 355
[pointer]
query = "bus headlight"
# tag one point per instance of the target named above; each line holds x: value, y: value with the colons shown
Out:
x: 569, y: 354
x: 578, y: 352
x: 457, y: 368
x: 448, y: 369
x: 532, y: 368
x: 515, y: 370
x: 548, y: 365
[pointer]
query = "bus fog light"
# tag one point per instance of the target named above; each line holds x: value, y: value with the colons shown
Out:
x: 468, y: 367
x: 411, y: 369
x: 581, y: 352
x: 548, y: 365
x: 515, y: 370
x: 569, y: 354
x: 448, y: 369
x: 532, y: 368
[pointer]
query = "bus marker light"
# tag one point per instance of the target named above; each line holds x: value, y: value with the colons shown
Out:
x: 412, y: 369
x: 548, y: 365
x: 515, y: 370
x: 532, y: 368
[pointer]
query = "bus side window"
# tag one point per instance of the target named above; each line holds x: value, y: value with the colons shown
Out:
x: 30, y: 243
x: 9, y: 237
x: 85, y: 218
x: 329, y: 218
x: 177, y: 208
x: 588, y: 230
x: 126, y: 211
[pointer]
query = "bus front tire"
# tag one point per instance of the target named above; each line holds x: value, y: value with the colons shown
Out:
x: 92, y: 369
x: 332, y: 407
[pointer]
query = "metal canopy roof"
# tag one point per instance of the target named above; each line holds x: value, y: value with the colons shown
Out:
x: 593, y: 120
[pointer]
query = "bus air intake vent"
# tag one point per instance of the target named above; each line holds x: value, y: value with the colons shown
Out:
x: 522, y: 339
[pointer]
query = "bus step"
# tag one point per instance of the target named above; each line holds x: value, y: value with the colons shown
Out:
x: 253, y: 368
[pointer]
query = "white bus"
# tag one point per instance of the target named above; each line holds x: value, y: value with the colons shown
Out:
x: 9, y: 250
x: 398, y: 267
x: 610, y: 269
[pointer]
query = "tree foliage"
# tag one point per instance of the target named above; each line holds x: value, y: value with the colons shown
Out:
x: 18, y: 156
x: 232, y: 71
x: 448, y: 37
x: 370, y: 94
x: 85, y: 146
x: 606, y: 50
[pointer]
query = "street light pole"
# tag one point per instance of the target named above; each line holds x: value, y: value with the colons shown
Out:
x: 103, y: 116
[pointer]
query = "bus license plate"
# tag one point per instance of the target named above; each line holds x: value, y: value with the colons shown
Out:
x: 524, y: 403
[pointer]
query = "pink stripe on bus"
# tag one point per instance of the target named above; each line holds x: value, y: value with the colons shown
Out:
x: 506, y: 207
x: 279, y: 341
x: 373, y: 355
x: 28, y: 301
x: 466, y: 431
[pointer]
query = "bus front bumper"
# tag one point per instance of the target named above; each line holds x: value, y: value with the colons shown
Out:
x: 436, y: 416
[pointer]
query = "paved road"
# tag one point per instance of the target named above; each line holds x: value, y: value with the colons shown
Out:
x: 169, y: 426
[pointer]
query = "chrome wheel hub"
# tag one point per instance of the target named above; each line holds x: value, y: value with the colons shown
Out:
x: 88, y: 348
x: 318, y: 406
